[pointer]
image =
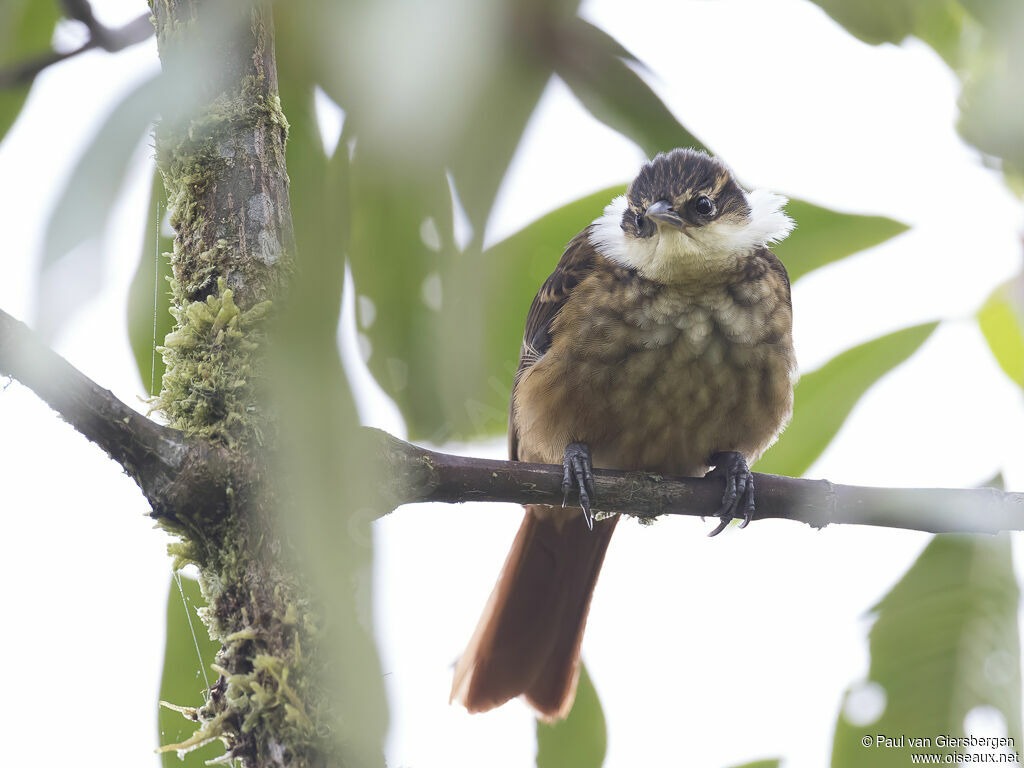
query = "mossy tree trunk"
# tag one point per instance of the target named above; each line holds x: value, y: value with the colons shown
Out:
x: 223, y: 164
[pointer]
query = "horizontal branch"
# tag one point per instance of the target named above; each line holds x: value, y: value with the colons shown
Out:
x: 173, y: 473
x: 178, y: 474
x: 415, y: 474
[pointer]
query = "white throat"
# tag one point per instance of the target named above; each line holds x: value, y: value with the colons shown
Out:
x: 671, y: 256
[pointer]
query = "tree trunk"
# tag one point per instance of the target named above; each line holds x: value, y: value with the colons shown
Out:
x: 223, y: 164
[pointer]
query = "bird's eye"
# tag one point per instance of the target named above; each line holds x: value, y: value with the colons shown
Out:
x: 639, y: 221
x: 704, y: 206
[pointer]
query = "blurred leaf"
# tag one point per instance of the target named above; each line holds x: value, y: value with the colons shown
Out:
x: 579, y: 741
x: 149, y: 298
x: 873, y: 21
x: 938, y: 22
x: 761, y: 764
x: 75, y: 228
x: 182, y: 683
x: 825, y: 397
x: 992, y: 105
x: 945, y: 641
x: 323, y: 481
x: 402, y: 277
x: 318, y: 186
x: 1001, y: 319
x: 593, y: 65
x: 494, y: 125
x: 823, y: 236
x: 428, y: 343
x: 26, y: 27
x: 979, y: 39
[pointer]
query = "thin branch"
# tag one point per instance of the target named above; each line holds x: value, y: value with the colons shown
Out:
x: 178, y: 474
x: 414, y: 474
x: 171, y: 471
x: 111, y: 39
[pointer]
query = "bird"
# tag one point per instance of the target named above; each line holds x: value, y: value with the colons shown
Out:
x: 661, y: 342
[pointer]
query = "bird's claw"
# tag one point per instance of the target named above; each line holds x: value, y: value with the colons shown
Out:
x: 738, y: 498
x: 578, y: 472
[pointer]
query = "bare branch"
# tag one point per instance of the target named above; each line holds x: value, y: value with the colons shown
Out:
x: 416, y: 474
x: 173, y: 473
x: 100, y: 36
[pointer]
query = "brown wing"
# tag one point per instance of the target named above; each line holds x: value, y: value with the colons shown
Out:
x: 775, y: 264
x: 575, y: 264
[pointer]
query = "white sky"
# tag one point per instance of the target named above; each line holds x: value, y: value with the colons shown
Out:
x: 706, y: 653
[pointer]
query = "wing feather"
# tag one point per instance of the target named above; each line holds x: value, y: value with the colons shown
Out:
x: 576, y: 263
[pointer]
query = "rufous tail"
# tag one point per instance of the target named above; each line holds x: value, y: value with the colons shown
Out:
x: 528, y: 639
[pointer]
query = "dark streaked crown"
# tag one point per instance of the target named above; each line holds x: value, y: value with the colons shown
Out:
x: 681, y: 177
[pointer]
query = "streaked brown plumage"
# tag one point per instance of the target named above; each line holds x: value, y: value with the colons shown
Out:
x: 662, y: 338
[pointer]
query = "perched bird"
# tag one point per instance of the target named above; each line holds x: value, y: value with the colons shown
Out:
x: 661, y: 342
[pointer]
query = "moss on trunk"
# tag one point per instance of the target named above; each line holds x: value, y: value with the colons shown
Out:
x: 223, y: 166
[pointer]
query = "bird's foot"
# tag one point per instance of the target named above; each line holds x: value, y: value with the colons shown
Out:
x: 738, y: 499
x: 578, y: 472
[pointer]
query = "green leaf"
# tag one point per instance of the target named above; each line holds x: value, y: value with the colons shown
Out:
x: 579, y: 741
x: 992, y: 104
x: 429, y: 340
x: 325, y: 514
x: 81, y: 213
x: 944, y: 641
x: 1001, y: 319
x: 183, y: 683
x: 940, y: 23
x: 823, y: 236
x: 593, y: 65
x: 149, y: 300
x: 318, y: 187
x: 873, y: 21
x: 825, y: 397
x: 26, y: 27
x: 761, y: 764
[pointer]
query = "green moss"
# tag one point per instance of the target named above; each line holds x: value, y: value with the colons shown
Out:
x: 193, y: 155
x: 270, y: 693
x: 211, y: 381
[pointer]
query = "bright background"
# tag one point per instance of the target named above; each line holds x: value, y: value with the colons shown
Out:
x: 680, y: 624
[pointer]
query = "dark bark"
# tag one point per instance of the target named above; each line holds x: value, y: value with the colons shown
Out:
x: 415, y: 474
x: 180, y: 478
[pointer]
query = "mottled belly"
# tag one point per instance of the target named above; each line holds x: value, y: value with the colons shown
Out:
x: 660, y: 399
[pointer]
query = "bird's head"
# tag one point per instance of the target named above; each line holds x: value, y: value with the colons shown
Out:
x: 684, y: 216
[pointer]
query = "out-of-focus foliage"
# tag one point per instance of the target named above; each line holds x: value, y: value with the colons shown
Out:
x: 182, y: 683
x: 760, y: 764
x: 980, y: 39
x: 944, y: 641
x: 427, y: 345
x: 72, y: 255
x: 149, y: 300
x: 26, y: 27
x: 325, y: 480
x: 580, y: 740
x: 823, y: 236
x: 825, y: 397
x: 601, y: 74
x: 1002, y: 321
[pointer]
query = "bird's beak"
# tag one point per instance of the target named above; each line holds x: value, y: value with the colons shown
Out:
x: 662, y: 213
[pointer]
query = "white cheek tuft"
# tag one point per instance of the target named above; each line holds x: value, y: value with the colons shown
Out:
x: 670, y: 256
x: 607, y: 235
x: 768, y: 222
